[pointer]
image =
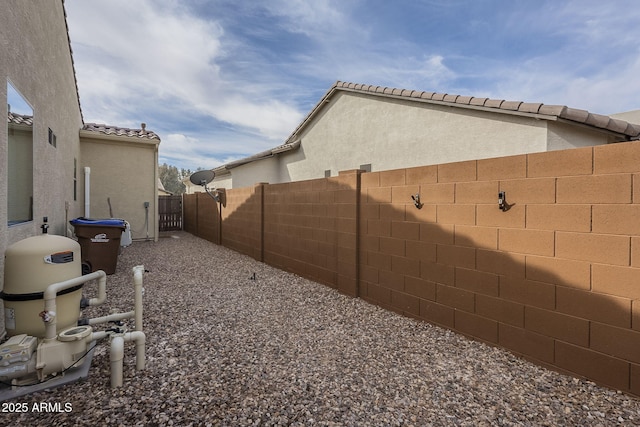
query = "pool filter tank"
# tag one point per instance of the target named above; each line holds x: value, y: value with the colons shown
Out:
x: 42, y: 299
x: 30, y: 266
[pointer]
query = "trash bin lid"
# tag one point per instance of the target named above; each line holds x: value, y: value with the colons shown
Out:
x: 108, y: 222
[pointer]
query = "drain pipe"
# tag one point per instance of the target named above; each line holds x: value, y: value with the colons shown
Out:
x: 49, y: 313
x: 87, y: 191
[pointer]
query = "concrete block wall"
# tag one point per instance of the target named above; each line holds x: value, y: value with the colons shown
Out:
x: 201, y: 216
x: 243, y: 221
x: 555, y: 278
x: 310, y: 229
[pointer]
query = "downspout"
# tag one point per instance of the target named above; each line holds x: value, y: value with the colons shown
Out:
x: 87, y: 188
x: 156, y: 225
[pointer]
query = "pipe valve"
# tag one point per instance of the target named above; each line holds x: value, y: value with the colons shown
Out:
x: 47, y: 316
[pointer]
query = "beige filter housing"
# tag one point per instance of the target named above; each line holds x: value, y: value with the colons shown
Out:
x: 31, y: 265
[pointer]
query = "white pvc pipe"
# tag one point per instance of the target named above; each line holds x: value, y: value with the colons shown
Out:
x: 87, y: 191
x: 50, y: 331
x: 102, y: 291
x: 95, y: 336
x: 111, y: 318
x: 136, y: 313
x: 138, y: 271
x: 116, y: 355
x: 139, y: 338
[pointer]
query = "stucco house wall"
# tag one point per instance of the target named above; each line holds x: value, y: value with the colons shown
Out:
x: 37, y: 61
x: 389, y: 134
x: 374, y: 128
x: 267, y: 170
x: 116, y: 165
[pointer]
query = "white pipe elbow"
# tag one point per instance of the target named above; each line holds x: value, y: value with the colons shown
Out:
x: 140, y: 340
x: 102, y: 289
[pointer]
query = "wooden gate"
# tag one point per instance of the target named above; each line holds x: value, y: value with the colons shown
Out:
x: 170, y: 213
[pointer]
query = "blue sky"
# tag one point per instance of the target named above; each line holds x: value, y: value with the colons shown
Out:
x: 219, y: 80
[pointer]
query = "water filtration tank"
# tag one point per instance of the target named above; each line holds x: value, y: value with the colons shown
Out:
x: 30, y: 266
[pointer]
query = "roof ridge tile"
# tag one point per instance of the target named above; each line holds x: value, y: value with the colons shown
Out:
x: 493, y: 103
x: 511, y: 105
x: 530, y: 107
x: 478, y: 101
x: 575, y: 114
x: 120, y: 131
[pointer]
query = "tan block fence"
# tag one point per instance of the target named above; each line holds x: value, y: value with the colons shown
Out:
x: 554, y: 278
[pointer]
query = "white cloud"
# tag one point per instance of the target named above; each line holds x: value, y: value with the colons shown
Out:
x: 222, y: 79
x: 140, y: 54
x: 186, y: 152
x: 313, y: 18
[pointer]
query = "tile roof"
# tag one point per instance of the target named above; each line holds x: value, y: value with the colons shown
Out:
x: 627, y: 131
x: 118, y: 131
x: 263, y: 155
x: 19, y: 119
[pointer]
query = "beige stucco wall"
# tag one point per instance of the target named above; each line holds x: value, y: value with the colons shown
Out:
x: 628, y: 116
x: 35, y: 58
x: 358, y: 129
x: 562, y: 136
x: 123, y: 171
x: 267, y: 170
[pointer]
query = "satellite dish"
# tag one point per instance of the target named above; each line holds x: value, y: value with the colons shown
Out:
x: 202, y: 177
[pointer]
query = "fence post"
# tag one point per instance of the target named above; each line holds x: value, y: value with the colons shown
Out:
x: 349, y: 247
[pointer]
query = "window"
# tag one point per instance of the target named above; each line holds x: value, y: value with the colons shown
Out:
x: 20, y: 158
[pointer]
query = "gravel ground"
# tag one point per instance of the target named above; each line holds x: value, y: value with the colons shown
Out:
x: 224, y: 349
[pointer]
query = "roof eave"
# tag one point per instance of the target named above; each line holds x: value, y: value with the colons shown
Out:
x: 260, y: 156
x: 622, y: 137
